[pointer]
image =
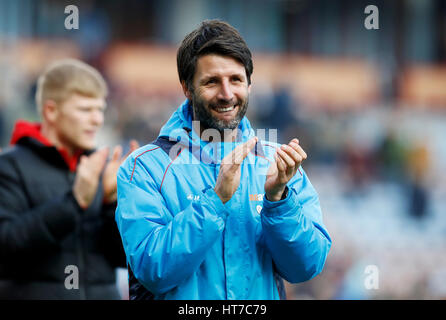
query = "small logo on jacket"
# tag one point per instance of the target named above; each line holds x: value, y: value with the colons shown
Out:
x: 193, y: 197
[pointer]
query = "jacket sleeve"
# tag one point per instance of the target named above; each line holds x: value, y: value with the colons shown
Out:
x: 294, y: 232
x: 23, y: 229
x: 163, y: 248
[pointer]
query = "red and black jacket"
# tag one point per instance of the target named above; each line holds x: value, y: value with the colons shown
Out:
x: 43, y: 230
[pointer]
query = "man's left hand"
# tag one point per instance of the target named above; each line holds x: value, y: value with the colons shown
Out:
x: 288, y: 159
x: 109, y: 180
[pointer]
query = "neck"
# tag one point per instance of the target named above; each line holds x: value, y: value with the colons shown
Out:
x: 49, y: 133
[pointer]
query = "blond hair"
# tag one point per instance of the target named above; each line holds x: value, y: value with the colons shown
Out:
x: 68, y: 76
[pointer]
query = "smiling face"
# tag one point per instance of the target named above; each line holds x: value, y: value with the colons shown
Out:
x: 77, y: 120
x: 220, y: 92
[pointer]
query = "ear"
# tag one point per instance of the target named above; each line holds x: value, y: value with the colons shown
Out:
x: 186, y: 91
x: 249, y: 88
x: 50, y: 111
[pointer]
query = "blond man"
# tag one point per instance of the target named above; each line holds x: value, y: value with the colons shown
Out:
x: 58, y: 239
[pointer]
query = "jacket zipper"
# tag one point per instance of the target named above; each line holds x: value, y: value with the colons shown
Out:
x: 223, y: 242
x: 79, y: 249
x: 80, y: 256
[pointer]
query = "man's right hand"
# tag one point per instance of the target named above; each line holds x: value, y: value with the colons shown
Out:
x: 228, y: 178
x: 87, y: 177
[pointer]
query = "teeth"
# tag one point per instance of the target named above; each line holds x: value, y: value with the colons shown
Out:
x: 225, y: 109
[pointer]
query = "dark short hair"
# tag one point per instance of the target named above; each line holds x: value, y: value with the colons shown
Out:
x: 212, y: 36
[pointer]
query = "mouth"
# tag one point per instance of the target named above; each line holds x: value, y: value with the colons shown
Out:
x: 90, y: 133
x: 225, y: 112
x: 223, y: 109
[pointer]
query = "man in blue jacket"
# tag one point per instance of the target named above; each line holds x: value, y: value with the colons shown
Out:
x: 209, y: 211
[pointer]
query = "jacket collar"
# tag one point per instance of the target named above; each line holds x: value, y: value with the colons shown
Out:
x: 24, y: 129
x: 179, y: 128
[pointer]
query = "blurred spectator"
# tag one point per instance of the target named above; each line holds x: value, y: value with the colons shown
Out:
x: 2, y: 120
x: 359, y: 167
x: 418, y: 165
x: 391, y: 157
x: 58, y: 237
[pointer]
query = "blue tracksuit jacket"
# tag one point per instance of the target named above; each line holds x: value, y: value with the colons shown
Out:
x: 182, y: 242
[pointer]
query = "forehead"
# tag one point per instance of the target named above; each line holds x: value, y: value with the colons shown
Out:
x: 79, y: 100
x: 212, y: 65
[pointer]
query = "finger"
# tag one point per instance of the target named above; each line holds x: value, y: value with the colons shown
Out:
x: 295, y: 140
x: 102, y: 154
x: 134, y: 145
x: 292, y: 153
x: 99, y: 153
x: 299, y: 150
x: 117, y: 153
x: 281, y: 166
x: 244, y: 150
x: 290, y: 163
x: 240, y: 152
x: 82, y: 162
x: 97, y: 159
x: 272, y: 167
x: 103, y: 159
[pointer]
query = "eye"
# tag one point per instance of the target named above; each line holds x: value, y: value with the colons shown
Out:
x: 236, y: 79
x: 211, y: 81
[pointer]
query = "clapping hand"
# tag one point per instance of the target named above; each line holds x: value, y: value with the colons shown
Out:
x: 288, y: 158
x: 109, y: 179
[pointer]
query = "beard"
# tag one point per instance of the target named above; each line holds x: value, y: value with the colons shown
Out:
x: 202, y: 113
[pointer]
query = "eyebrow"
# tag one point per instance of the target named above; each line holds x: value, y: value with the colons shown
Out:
x: 89, y: 106
x: 207, y: 78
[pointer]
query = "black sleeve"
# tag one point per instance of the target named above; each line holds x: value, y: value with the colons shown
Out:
x: 112, y: 242
x: 24, y: 229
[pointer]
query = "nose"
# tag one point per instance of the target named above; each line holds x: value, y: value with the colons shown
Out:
x: 97, y: 118
x: 225, y: 92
